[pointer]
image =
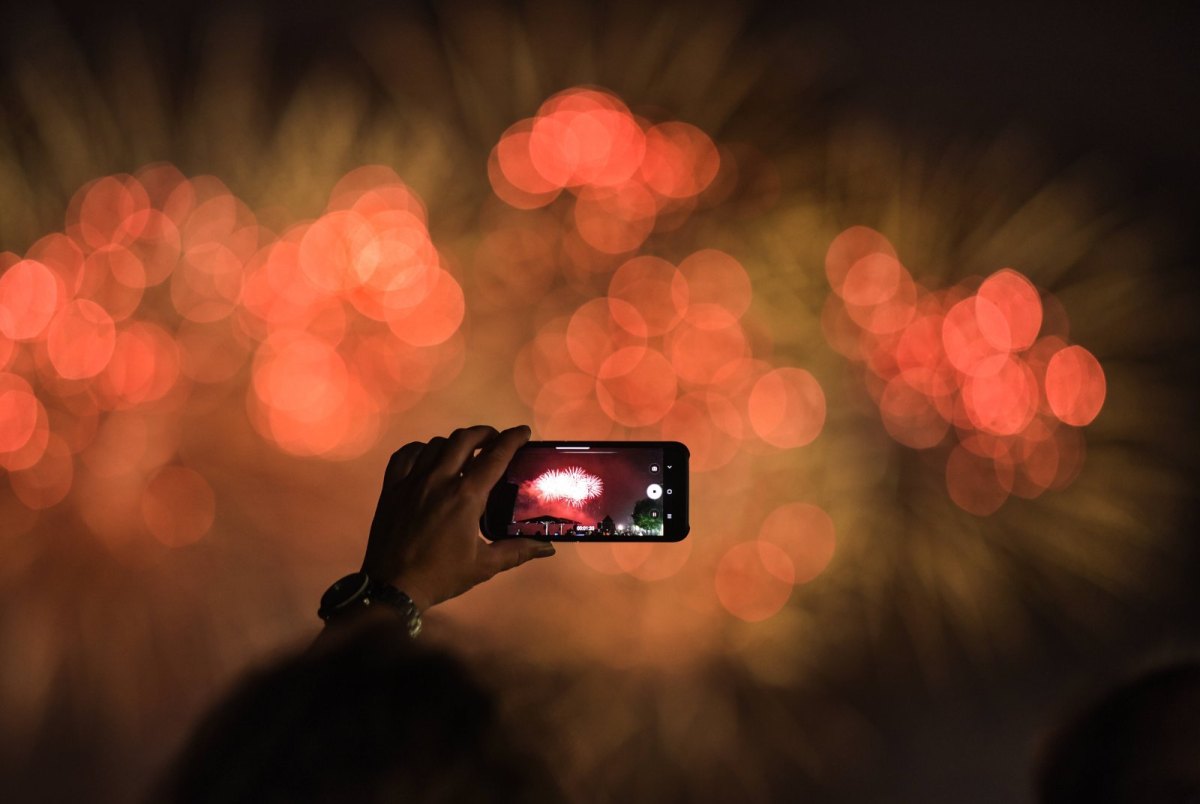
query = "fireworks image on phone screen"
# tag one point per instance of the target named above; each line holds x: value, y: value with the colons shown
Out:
x: 587, y: 494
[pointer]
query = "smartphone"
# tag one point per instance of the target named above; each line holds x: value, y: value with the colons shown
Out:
x: 592, y: 491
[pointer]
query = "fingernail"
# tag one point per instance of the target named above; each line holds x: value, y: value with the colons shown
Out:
x: 543, y: 550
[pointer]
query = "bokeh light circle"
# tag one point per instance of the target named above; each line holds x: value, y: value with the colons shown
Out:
x: 806, y: 533
x: 47, y: 482
x: 715, y: 280
x: 178, y: 506
x: 636, y: 386
x: 754, y: 580
x: 1075, y: 386
x: 18, y: 412
x: 656, y: 290
x: 787, y: 407
x: 1018, y: 302
x: 978, y: 484
x: 81, y: 340
x: 29, y: 297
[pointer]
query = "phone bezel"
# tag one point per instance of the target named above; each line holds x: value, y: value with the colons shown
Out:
x: 675, y: 455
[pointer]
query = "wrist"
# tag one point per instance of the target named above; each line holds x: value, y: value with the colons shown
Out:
x: 411, y: 587
x: 407, y: 581
x: 356, y: 593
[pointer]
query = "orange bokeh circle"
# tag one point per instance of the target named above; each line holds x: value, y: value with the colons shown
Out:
x: 806, y: 533
x: 178, y: 506
x: 1075, y: 386
x: 787, y: 407
x: 754, y: 580
x: 81, y: 339
x: 29, y: 298
x: 655, y: 289
x: 642, y: 392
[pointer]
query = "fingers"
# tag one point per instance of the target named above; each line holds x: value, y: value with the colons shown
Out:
x: 400, y: 464
x: 459, y: 449
x: 399, y: 467
x: 489, y: 466
x: 508, y: 553
x: 427, y: 459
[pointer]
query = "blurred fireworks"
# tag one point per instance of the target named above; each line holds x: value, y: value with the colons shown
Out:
x: 572, y: 484
x: 609, y: 233
x: 970, y: 359
x: 160, y: 283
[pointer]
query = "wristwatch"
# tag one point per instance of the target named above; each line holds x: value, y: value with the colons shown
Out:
x: 358, y: 591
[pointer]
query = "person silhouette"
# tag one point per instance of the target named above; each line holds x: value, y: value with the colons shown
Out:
x: 1139, y: 743
x: 366, y: 713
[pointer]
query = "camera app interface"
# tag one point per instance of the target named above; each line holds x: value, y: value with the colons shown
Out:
x: 581, y: 493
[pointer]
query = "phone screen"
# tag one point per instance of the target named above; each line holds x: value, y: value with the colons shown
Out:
x: 593, y: 491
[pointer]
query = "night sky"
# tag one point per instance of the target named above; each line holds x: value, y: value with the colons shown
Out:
x: 110, y: 656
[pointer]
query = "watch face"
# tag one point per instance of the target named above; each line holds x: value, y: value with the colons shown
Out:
x: 343, y: 591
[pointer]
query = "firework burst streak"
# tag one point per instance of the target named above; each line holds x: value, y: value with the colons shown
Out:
x: 573, y: 484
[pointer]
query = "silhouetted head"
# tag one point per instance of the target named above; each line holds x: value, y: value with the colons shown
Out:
x: 1139, y: 743
x: 366, y: 716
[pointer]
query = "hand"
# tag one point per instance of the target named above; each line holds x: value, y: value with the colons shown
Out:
x: 425, y: 535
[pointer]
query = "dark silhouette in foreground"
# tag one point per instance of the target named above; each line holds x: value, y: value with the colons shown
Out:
x: 368, y: 714
x: 1139, y: 744
x: 365, y: 715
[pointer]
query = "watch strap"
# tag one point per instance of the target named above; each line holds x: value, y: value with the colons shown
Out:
x: 380, y: 592
x: 358, y: 591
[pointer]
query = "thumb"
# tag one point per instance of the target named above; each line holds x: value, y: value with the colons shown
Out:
x: 508, y: 553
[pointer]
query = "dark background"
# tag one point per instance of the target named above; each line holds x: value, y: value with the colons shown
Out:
x: 1117, y: 85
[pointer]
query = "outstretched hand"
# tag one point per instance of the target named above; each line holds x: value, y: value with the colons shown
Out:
x: 425, y: 535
